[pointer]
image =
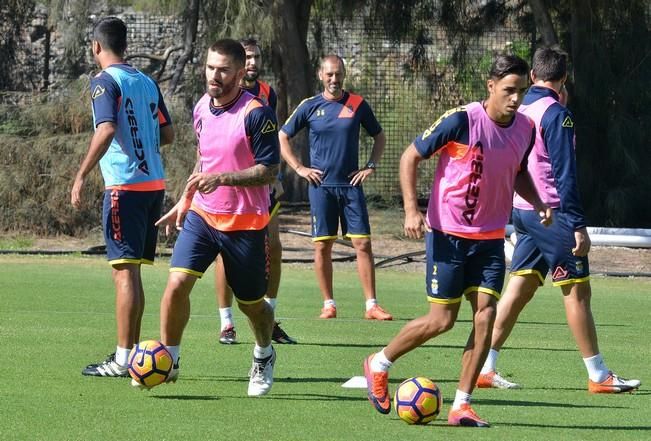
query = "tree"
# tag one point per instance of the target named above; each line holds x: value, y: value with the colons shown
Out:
x: 610, y: 45
x: 190, y: 23
x: 291, y: 66
x: 543, y: 21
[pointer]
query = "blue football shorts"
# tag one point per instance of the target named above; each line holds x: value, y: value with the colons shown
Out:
x: 330, y: 206
x: 128, y: 219
x: 539, y: 248
x: 245, y: 254
x: 457, y: 266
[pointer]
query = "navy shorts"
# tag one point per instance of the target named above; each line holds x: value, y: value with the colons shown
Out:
x: 331, y: 205
x: 128, y: 218
x: 245, y: 254
x: 456, y: 266
x: 539, y: 248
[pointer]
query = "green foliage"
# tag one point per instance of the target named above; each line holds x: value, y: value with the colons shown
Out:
x: 41, y: 148
x: 58, y: 316
x: 158, y: 7
x: 15, y: 243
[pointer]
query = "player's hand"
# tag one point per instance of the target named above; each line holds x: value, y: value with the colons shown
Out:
x: 203, y: 182
x: 359, y: 176
x: 545, y: 214
x: 415, y: 225
x: 583, y: 243
x: 311, y: 174
x: 176, y: 215
x: 75, y: 193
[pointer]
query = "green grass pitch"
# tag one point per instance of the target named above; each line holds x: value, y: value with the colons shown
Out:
x: 57, y: 315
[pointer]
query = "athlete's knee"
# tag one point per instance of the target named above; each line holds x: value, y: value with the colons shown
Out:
x: 578, y: 292
x: 485, y: 315
x: 253, y: 309
x: 179, y: 284
x: 323, y: 247
x: 438, y: 323
x: 363, y: 244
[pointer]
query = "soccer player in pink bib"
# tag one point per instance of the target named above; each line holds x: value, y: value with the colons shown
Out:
x: 225, y: 208
x: 483, y: 149
x: 562, y: 248
x: 265, y: 93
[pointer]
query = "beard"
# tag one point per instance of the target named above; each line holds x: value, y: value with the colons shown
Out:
x: 222, y: 90
x: 250, y: 78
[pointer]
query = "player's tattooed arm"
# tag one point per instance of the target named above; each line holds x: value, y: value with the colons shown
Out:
x: 255, y: 176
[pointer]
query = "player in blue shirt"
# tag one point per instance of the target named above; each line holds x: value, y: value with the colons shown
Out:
x: 562, y: 248
x: 333, y: 119
x: 131, y: 123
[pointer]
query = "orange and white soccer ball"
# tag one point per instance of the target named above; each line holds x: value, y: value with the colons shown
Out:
x: 150, y: 363
x: 418, y: 400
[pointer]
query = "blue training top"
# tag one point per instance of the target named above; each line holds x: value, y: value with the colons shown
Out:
x: 333, y: 133
x: 131, y: 100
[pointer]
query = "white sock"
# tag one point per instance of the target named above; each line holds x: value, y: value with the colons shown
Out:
x: 226, y: 317
x: 380, y: 362
x: 122, y: 356
x: 260, y: 352
x: 370, y: 303
x: 329, y: 303
x: 597, y: 370
x: 460, y: 398
x: 174, y: 350
x: 491, y: 362
x: 272, y: 302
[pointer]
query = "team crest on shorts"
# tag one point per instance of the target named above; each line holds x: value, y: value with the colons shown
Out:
x: 434, y: 284
x: 579, y: 266
x: 560, y: 273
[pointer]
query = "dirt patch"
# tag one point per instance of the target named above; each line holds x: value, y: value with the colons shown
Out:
x: 388, y: 243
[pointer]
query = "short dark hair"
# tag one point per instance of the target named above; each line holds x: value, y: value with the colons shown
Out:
x: 249, y: 41
x: 549, y: 63
x: 111, y: 33
x: 230, y: 48
x: 506, y: 65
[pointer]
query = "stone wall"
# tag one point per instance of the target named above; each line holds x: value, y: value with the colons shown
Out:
x: 40, y: 55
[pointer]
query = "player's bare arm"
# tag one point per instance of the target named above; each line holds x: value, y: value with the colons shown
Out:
x: 257, y: 175
x: 359, y: 176
x: 415, y: 223
x: 311, y: 174
x: 99, y: 144
x: 525, y: 187
x: 582, y: 242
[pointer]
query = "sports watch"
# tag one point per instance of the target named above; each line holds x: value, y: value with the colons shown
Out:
x: 370, y: 164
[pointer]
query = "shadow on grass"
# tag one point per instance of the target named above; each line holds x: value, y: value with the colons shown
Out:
x: 187, y: 397
x: 522, y: 403
x: 290, y: 380
x: 530, y: 322
x: 371, y: 346
x: 271, y: 396
x: 573, y: 426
